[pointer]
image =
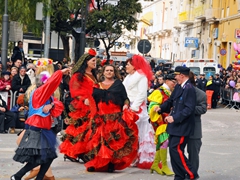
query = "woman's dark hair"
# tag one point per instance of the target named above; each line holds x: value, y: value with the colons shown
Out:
x: 191, y: 78
x: 83, y: 67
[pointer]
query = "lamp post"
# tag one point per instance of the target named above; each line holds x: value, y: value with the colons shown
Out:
x: 82, y: 38
x: 47, y: 32
x: 4, y: 37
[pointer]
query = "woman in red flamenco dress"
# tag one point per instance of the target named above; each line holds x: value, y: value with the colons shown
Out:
x: 113, y: 136
x: 82, y: 107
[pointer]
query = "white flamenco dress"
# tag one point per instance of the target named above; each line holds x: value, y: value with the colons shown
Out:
x: 136, y: 85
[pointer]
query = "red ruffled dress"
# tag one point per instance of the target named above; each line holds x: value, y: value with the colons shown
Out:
x: 74, y: 142
x: 113, y: 136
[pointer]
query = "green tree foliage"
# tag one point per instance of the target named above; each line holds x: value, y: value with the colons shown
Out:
x: 23, y: 11
x: 107, y: 21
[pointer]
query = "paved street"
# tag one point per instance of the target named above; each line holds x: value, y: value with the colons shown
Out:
x: 220, y: 157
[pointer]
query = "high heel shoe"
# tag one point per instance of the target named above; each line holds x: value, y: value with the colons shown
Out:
x: 110, y: 167
x: 91, y: 169
x: 48, y: 178
x: 33, y: 173
x: 70, y: 158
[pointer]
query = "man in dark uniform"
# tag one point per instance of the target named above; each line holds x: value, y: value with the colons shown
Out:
x: 216, y: 96
x: 196, y: 79
x: 182, y: 104
x: 202, y: 83
x: 194, y: 143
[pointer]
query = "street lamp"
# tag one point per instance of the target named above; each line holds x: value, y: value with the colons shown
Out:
x: 82, y: 42
x: 47, y: 32
x: 4, y: 37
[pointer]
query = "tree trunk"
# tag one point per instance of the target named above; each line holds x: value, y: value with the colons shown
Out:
x: 108, y: 55
x: 66, y: 48
x: 77, y: 45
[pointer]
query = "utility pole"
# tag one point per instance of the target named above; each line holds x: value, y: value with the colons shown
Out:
x: 82, y: 42
x: 47, y: 32
x: 4, y: 49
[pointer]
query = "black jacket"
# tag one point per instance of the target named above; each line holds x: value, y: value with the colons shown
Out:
x: 218, y: 83
x: 17, y: 85
x: 202, y: 84
x: 17, y: 54
x: 182, y: 104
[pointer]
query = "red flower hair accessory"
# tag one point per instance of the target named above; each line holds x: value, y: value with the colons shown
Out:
x: 92, y: 52
x: 104, y: 62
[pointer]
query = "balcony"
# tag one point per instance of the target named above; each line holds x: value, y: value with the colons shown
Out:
x: 176, y: 24
x: 213, y: 15
x: 199, y: 13
x: 166, y: 26
x: 185, y: 18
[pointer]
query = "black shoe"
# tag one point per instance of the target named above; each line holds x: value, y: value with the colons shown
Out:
x: 70, y: 158
x: 13, y: 177
x: 91, y: 169
x: 195, y: 177
x: 110, y: 167
x: 81, y: 158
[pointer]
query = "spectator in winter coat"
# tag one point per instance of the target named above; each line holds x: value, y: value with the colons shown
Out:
x: 5, y: 82
x: 21, y: 81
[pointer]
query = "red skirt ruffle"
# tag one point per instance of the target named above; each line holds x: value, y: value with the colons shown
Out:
x: 75, y: 141
x: 113, y: 139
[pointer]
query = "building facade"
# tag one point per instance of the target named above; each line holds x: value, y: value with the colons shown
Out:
x: 188, y: 29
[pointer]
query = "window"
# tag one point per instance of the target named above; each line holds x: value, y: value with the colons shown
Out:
x: 208, y: 71
x: 195, y: 70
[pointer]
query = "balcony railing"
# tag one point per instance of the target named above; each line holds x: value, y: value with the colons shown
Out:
x: 213, y: 14
x: 186, y: 18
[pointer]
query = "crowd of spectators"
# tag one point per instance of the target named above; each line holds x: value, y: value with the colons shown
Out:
x: 14, y: 82
x: 230, y: 87
x: 20, y: 74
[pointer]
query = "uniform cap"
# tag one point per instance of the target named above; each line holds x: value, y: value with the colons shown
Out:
x: 182, y: 70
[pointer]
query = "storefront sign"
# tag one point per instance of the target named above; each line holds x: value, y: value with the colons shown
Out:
x: 191, y: 42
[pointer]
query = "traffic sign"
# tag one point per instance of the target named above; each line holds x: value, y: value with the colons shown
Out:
x: 144, y: 46
x: 223, y: 52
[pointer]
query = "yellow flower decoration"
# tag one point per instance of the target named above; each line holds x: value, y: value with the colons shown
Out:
x: 43, y: 62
